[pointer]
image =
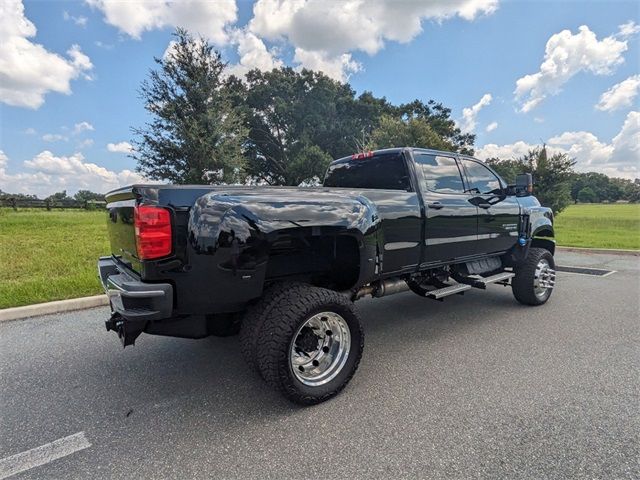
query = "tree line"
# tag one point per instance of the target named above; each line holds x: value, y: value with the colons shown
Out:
x: 81, y: 196
x: 558, y: 185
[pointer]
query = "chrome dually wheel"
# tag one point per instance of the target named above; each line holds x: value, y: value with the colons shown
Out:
x: 535, y: 277
x: 320, y: 348
x: 544, y: 278
x: 310, y: 343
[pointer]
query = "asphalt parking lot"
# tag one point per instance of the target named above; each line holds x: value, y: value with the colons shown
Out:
x: 474, y: 387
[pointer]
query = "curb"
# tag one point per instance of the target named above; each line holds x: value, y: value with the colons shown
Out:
x: 610, y: 251
x: 17, y: 313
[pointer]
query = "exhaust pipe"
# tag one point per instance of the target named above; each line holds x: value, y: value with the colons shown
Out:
x: 382, y: 288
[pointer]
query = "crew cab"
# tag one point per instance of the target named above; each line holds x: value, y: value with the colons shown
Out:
x: 284, y: 265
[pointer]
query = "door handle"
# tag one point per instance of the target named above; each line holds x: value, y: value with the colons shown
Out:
x: 484, y: 205
x: 435, y: 205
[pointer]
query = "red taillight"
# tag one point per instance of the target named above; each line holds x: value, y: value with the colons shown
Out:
x: 153, y: 232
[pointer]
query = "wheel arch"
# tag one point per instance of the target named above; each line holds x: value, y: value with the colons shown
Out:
x: 327, y: 257
x: 544, y: 237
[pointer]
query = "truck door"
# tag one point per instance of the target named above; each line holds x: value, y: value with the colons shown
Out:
x: 450, y: 230
x: 498, y: 214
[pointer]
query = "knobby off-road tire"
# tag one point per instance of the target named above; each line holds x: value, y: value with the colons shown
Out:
x: 254, y: 319
x: 310, y: 344
x: 539, y: 266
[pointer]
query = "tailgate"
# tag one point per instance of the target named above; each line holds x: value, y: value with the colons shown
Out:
x: 120, y: 227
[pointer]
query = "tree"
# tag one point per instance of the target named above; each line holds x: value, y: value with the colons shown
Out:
x: 16, y: 196
x: 87, y: 195
x: 632, y: 193
x: 438, y: 117
x: 59, y: 197
x: 586, y: 195
x: 398, y: 132
x: 195, y: 135
x: 551, y: 175
x: 292, y: 115
x: 507, y: 169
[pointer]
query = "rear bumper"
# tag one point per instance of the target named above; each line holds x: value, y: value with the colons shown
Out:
x: 132, y: 299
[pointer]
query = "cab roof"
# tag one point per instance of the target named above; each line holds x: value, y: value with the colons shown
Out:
x: 402, y: 149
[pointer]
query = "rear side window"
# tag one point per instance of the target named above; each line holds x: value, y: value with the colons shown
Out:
x: 441, y: 174
x: 384, y: 171
x: 481, y: 179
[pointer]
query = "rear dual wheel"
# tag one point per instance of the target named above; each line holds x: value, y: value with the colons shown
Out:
x: 307, y: 343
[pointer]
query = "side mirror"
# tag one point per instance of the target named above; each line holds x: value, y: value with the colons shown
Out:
x: 524, y: 185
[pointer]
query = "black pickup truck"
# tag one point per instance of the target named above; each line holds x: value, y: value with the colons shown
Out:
x: 283, y: 266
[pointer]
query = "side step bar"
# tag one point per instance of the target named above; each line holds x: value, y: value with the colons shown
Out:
x: 460, y: 288
x: 501, y: 277
x: 440, y: 293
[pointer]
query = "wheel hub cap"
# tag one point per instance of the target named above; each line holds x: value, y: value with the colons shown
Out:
x: 545, y: 278
x: 320, y: 348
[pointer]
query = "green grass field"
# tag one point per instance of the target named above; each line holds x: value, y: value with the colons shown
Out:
x: 48, y: 256
x: 599, y: 226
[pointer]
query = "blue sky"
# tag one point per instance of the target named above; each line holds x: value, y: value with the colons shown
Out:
x: 515, y: 73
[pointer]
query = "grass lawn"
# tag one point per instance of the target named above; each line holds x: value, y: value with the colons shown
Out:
x: 48, y: 256
x: 599, y: 226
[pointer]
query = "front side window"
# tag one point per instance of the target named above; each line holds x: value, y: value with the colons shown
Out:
x: 441, y: 174
x: 383, y: 171
x: 481, y: 179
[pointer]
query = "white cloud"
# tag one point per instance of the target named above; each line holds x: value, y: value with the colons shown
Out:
x: 584, y: 147
x: 205, y: 18
x: 492, y: 126
x: 620, y: 158
x: 79, y: 20
x: 30, y: 131
x: 86, y: 143
x: 47, y: 173
x: 566, y: 55
x: 505, y: 152
x: 54, y: 137
x: 470, y: 114
x: 323, y: 32
x: 28, y: 71
x: 106, y: 46
x: 78, y: 128
x: 339, y: 67
x: 337, y: 27
x: 628, y: 29
x: 626, y: 144
x: 120, y: 147
x: 253, y: 53
x: 621, y: 95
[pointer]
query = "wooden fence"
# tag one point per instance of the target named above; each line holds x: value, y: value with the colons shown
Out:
x: 17, y: 203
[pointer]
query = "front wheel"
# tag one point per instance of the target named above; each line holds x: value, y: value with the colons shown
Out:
x: 311, y: 344
x: 535, y: 278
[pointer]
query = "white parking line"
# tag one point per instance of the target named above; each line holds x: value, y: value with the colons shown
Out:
x: 21, y: 462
